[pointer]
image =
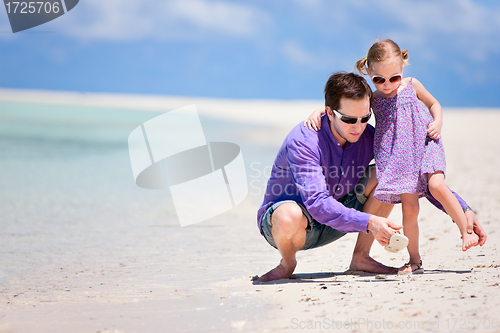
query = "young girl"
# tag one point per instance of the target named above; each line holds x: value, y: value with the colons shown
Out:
x: 408, y: 151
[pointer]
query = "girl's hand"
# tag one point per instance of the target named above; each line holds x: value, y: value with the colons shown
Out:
x: 434, y: 130
x: 314, y: 120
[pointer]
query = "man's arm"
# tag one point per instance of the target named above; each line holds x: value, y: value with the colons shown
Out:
x: 472, y: 222
x: 438, y: 205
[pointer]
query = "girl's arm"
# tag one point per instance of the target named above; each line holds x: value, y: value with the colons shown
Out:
x: 434, y: 130
x: 314, y: 119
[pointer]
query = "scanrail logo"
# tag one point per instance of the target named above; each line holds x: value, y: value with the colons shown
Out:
x: 205, y: 178
x: 28, y: 14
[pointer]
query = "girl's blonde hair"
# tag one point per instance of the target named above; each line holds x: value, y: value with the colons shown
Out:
x: 381, y: 51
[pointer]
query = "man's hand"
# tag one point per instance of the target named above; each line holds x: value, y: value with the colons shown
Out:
x: 474, y: 226
x: 382, y: 229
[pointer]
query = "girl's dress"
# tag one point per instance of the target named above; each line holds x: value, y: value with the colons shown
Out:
x: 404, y: 154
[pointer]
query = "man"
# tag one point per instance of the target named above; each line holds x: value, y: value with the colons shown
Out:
x: 321, y: 185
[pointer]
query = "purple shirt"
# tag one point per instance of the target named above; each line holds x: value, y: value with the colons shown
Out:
x: 312, y: 169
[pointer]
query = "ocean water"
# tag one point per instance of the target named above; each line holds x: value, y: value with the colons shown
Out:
x: 73, y: 221
x: 67, y: 192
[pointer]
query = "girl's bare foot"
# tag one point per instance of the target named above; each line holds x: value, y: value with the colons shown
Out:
x: 469, y: 240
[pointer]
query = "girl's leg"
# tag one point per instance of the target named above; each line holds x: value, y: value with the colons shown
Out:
x: 409, y: 202
x: 442, y: 193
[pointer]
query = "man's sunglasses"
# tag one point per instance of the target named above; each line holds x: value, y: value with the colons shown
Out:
x: 352, y: 120
x: 381, y: 80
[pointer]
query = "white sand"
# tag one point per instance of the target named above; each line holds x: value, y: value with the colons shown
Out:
x: 139, y: 274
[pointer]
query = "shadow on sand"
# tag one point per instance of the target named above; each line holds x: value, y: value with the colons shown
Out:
x: 369, y: 277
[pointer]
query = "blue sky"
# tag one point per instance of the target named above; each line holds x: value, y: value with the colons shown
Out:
x: 254, y: 49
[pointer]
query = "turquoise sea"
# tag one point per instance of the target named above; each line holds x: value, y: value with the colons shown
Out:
x: 68, y: 192
x: 72, y: 219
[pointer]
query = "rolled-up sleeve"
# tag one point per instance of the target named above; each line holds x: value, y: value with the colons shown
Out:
x: 438, y: 205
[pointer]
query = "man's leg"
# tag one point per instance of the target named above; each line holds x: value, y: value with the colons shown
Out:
x: 289, y: 233
x: 361, y: 260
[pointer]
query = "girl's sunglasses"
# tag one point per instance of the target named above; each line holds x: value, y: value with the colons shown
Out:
x: 380, y: 80
x: 352, y: 120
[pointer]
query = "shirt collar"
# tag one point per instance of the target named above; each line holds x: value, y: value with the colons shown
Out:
x: 326, y: 126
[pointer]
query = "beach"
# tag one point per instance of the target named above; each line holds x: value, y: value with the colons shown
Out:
x: 84, y: 249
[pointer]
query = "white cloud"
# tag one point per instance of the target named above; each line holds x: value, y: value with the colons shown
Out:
x: 458, y: 35
x: 167, y: 20
x: 223, y: 17
x: 295, y: 53
x: 461, y: 25
x: 309, y: 4
x: 465, y: 26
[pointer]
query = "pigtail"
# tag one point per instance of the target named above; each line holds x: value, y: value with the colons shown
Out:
x: 405, y: 56
x: 361, y: 66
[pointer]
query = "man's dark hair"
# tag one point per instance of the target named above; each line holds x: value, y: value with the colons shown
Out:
x: 347, y: 85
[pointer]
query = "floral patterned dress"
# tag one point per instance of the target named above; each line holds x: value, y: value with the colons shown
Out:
x: 404, y: 154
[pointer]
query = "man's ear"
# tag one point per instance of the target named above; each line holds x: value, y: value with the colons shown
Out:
x: 329, y: 112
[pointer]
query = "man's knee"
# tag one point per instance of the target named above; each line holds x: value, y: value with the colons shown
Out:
x: 287, y: 219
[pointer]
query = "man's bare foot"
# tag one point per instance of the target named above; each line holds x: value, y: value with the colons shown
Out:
x: 370, y: 265
x: 469, y: 240
x: 281, y: 271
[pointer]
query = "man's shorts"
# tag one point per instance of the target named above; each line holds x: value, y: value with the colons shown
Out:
x: 318, y: 234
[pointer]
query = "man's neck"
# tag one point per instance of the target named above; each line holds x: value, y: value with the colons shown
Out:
x: 336, y: 135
